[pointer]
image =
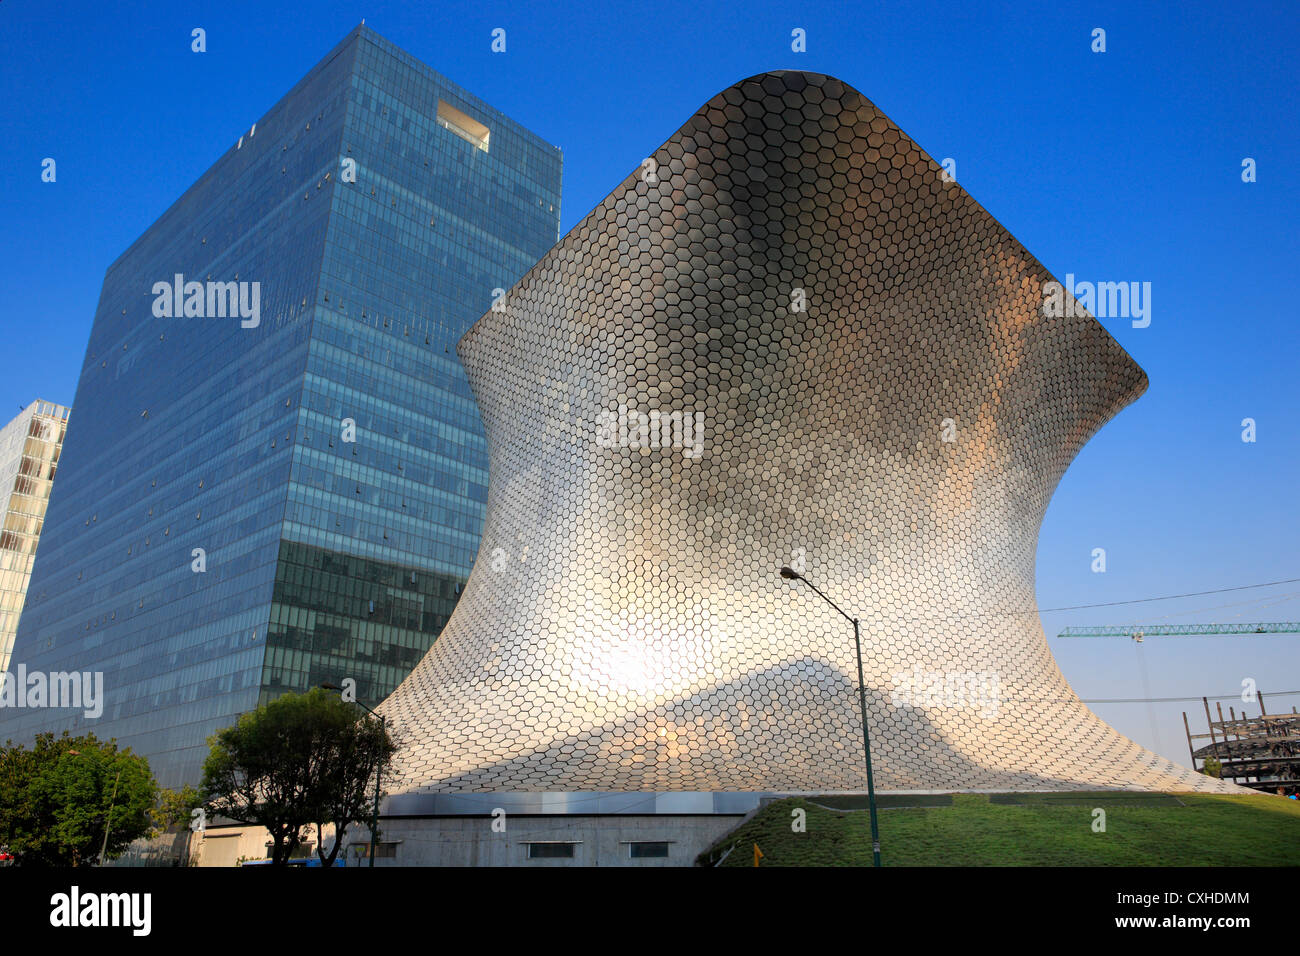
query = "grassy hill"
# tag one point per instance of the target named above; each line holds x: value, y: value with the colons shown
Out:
x: 1024, y: 829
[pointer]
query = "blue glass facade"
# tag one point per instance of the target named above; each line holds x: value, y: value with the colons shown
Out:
x: 328, y: 460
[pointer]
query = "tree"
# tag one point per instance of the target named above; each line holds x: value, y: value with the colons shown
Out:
x: 59, y: 798
x: 175, y: 808
x: 342, y: 791
x: 1212, y: 767
x: 302, y: 759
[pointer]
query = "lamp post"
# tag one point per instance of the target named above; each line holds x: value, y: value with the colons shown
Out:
x: 793, y: 575
x: 108, y: 819
x: 374, y: 818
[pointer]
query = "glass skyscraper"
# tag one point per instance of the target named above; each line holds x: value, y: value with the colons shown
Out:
x: 276, y: 476
x: 29, y: 457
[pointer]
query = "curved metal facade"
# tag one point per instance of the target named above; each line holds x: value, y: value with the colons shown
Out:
x: 880, y: 399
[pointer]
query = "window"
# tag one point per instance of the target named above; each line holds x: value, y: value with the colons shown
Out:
x: 550, y: 851
x: 468, y: 129
x: 646, y: 851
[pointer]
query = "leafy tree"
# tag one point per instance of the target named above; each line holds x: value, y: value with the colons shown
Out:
x: 302, y: 759
x: 176, y: 808
x: 342, y: 790
x: 58, y: 798
x: 1212, y: 767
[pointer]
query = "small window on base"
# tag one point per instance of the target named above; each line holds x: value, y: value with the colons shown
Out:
x: 645, y: 851
x: 550, y: 851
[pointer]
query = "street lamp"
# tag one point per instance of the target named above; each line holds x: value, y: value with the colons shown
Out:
x: 374, y: 819
x: 793, y: 575
x: 103, y: 850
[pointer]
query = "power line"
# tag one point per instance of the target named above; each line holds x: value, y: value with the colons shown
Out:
x: 1170, y: 597
x: 1179, y: 700
x: 880, y: 619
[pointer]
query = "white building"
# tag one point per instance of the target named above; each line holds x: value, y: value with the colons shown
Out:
x: 29, y: 457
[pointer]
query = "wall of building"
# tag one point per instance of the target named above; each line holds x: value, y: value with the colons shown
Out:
x: 29, y: 458
x: 383, y: 516
x: 850, y: 370
x: 483, y: 841
x: 181, y: 444
x: 246, y: 510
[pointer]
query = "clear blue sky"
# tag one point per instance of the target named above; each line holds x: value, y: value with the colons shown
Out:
x: 1117, y: 166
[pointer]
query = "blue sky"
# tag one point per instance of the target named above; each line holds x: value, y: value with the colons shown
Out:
x: 1117, y: 166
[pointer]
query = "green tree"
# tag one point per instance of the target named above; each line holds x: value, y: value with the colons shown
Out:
x: 342, y: 790
x: 1212, y: 767
x: 176, y: 808
x: 302, y: 759
x: 59, y: 799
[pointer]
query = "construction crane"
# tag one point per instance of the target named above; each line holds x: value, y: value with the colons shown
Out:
x: 1139, y: 631
x: 1257, y: 757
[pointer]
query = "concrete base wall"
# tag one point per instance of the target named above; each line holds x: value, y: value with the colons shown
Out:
x: 500, y: 841
x: 596, y: 841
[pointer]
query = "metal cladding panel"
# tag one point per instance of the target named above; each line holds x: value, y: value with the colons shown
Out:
x: 625, y: 627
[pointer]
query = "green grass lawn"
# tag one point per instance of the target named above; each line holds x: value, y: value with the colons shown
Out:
x: 1026, y: 830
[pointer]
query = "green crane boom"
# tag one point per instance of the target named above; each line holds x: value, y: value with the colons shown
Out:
x: 1139, y: 631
